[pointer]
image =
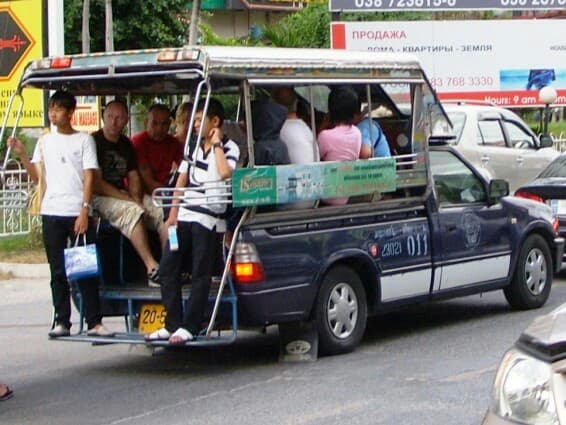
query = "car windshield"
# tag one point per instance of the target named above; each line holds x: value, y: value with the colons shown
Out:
x: 557, y: 168
x: 458, y: 119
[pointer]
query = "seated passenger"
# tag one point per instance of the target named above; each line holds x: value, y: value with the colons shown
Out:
x: 182, y: 116
x: 181, y: 124
x: 295, y: 133
x: 374, y: 142
x: 124, y: 207
x: 197, y: 225
x: 158, y: 152
x: 342, y: 141
x: 267, y: 119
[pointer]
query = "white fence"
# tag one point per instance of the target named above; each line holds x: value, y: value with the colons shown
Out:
x: 14, y: 189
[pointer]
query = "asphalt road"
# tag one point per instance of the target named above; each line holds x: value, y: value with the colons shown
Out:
x: 425, y: 365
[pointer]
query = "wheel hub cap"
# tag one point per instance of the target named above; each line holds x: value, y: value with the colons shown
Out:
x: 535, y: 271
x: 342, y: 310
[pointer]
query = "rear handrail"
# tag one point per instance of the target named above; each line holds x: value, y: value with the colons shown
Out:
x: 3, y: 129
x: 209, y: 193
x: 409, y: 168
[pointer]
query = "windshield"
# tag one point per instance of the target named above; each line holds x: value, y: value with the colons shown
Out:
x: 458, y: 119
x: 557, y: 168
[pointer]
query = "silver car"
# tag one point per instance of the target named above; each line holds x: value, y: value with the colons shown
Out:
x: 530, y: 384
x: 499, y: 143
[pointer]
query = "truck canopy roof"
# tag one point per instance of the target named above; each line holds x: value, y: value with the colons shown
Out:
x: 177, y: 70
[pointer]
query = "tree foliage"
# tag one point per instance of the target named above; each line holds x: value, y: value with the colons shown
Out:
x: 141, y: 24
x: 138, y: 24
x: 310, y: 27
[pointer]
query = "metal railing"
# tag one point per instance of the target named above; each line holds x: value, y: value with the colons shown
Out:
x: 559, y: 141
x: 14, y: 194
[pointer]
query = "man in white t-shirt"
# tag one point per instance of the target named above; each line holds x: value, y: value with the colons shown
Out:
x: 196, y: 225
x: 295, y: 133
x: 68, y: 158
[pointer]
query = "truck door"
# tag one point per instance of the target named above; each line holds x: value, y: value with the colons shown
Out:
x: 473, y: 236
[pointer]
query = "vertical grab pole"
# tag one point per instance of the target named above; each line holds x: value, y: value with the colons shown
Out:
x: 187, y: 152
x: 3, y: 129
x: 370, y: 117
x: 225, y: 273
x: 248, y: 117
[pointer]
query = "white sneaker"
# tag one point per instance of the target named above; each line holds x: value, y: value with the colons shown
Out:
x: 59, y: 331
x: 181, y: 336
x: 159, y: 335
x: 100, y: 330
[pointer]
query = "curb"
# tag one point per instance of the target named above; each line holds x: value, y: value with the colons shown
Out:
x: 26, y: 270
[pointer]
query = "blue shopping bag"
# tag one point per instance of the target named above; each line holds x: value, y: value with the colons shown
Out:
x: 81, y: 261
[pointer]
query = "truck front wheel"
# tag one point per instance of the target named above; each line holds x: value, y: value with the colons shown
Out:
x: 532, y: 279
x: 340, y: 311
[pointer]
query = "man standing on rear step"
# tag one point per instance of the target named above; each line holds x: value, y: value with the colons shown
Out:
x: 68, y: 160
x: 196, y: 226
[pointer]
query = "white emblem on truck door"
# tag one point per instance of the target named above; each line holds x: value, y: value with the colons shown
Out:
x: 472, y: 230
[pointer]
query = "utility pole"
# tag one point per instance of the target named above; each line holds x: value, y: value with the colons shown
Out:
x: 109, y: 38
x: 193, y: 24
x: 86, y: 27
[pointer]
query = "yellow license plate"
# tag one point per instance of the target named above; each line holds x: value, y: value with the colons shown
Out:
x: 152, y: 318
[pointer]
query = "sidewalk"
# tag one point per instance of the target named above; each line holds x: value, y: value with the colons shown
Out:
x: 25, y: 270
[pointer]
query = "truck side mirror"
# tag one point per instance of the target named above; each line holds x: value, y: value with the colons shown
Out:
x: 498, y: 188
x: 546, y: 141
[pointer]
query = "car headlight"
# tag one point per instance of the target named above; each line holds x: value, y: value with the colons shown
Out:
x: 523, y: 390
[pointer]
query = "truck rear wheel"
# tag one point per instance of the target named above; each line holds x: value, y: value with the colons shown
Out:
x: 532, y: 279
x: 340, y: 311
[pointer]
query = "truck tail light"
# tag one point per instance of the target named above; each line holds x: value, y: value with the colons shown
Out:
x: 62, y: 62
x: 246, y: 266
x: 534, y: 197
x: 556, y: 225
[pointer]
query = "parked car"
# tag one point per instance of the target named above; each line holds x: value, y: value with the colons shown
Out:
x: 498, y: 142
x: 550, y: 187
x: 529, y: 386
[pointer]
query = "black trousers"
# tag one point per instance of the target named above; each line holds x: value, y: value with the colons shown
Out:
x: 57, y: 231
x: 197, y: 244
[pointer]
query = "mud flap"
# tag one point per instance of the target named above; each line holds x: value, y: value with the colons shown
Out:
x: 298, y: 342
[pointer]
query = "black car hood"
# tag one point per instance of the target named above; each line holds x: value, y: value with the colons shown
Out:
x: 546, y: 188
x: 545, y: 338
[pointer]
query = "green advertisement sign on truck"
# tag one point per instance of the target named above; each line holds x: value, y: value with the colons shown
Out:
x: 291, y: 183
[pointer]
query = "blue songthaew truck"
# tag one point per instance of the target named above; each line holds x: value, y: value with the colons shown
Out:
x: 418, y: 226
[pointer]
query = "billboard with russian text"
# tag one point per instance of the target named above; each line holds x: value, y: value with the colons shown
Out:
x: 505, y: 62
x: 21, y: 40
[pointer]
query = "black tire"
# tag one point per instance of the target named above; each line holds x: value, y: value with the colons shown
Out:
x: 340, y: 311
x: 532, y: 279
